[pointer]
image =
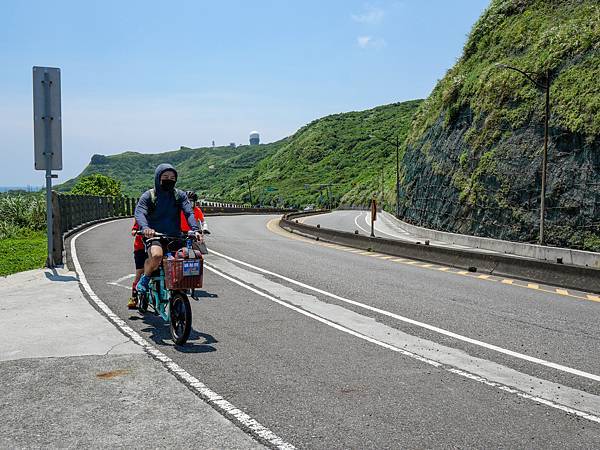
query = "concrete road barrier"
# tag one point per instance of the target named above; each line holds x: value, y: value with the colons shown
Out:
x: 562, y: 275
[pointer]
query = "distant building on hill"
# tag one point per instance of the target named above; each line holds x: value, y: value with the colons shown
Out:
x: 232, y: 144
x: 254, y: 138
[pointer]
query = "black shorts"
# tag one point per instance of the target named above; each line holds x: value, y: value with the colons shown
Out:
x: 139, y: 256
x: 172, y: 246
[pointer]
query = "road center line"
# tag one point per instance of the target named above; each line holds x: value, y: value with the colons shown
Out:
x: 452, y: 360
x: 442, y: 331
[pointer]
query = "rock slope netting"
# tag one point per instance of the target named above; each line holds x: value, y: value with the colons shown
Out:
x: 473, y: 158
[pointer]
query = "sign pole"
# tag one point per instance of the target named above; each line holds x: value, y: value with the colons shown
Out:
x: 47, y: 138
x: 48, y: 155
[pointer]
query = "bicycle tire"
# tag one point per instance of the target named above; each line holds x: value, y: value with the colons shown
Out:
x: 180, y: 313
x: 142, y: 303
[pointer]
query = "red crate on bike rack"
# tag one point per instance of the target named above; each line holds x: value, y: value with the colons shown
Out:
x: 183, y: 273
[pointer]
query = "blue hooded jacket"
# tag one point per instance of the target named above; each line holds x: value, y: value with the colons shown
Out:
x: 164, y: 216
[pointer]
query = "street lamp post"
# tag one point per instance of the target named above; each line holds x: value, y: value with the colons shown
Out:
x: 545, y: 85
x: 395, y: 143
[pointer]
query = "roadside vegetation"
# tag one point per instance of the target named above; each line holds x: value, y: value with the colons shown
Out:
x: 22, y: 232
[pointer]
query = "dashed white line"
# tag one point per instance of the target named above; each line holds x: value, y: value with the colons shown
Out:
x: 442, y: 331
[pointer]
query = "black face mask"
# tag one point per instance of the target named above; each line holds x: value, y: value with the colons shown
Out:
x: 167, y: 185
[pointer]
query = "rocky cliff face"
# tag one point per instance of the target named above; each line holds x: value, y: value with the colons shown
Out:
x: 473, y: 158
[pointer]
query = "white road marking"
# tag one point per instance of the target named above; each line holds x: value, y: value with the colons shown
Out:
x: 551, y: 394
x: 241, y: 419
x: 356, y: 222
x: 118, y: 282
x: 131, y: 275
x: 496, y: 348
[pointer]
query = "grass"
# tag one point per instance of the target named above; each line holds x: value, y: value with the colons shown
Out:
x: 23, y: 243
x: 18, y: 254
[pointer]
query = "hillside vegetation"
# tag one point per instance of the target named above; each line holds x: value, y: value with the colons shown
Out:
x: 335, y: 150
x: 473, y: 159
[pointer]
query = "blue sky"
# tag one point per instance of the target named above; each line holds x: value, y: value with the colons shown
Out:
x: 150, y: 76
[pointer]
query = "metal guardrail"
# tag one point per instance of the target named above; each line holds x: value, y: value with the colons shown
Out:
x: 562, y: 275
x: 71, y: 213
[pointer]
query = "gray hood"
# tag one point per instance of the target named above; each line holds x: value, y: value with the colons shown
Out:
x: 158, y: 172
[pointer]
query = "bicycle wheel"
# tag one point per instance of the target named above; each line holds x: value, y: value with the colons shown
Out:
x: 181, y: 318
x: 142, y: 302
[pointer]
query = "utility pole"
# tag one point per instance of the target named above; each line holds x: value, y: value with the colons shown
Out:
x: 382, y: 193
x: 397, y: 176
x: 395, y: 142
x: 545, y: 86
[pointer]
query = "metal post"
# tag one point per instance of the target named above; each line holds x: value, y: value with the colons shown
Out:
x: 382, y: 193
x: 397, y: 177
x: 48, y: 155
x: 545, y: 160
x: 249, y: 190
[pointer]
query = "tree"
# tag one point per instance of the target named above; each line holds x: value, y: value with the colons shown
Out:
x: 97, y: 184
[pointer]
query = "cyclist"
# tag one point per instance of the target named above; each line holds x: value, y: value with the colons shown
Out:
x: 159, y: 210
x: 198, y: 214
x: 139, y: 258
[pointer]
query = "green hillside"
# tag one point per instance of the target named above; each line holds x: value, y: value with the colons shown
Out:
x: 334, y: 150
x: 473, y: 159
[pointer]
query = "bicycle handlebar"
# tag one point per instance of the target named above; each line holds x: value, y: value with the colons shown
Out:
x: 158, y: 235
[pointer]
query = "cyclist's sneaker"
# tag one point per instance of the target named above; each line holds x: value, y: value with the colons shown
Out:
x: 142, y: 286
x: 132, y: 303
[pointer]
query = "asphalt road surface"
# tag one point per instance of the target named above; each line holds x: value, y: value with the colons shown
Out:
x: 333, y: 348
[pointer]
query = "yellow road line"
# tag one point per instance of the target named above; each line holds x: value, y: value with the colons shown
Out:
x: 483, y: 277
x: 562, y: 291
x: 508, y: 281
x: 594, y: 298
x: 463, y: 272
x: 533, y: 285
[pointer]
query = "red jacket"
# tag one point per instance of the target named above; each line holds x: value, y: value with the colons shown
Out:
x: 198, y: 214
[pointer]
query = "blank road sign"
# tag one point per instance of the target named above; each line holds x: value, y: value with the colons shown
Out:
x: 47, y: 134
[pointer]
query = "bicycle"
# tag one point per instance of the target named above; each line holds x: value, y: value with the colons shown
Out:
x: 168, y: 289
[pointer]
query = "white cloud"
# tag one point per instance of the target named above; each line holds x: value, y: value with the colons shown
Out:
x: 371, y: 16
x: 370, y: 42
x: 363, y: 41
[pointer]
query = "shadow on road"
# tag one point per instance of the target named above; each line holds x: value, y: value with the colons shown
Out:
x: 159, y: 333
x: 53, y: 275
x: 204, y: 294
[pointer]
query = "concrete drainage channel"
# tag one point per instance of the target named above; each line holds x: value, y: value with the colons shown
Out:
x: 562, y: 275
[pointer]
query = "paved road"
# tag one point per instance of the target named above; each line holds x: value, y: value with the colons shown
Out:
x: 386, y: 226
x: 331, y: 348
